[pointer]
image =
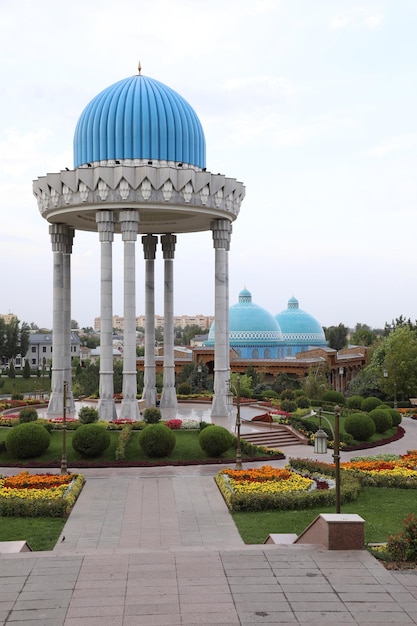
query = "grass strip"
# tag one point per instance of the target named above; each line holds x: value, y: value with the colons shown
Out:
x: 383, y: 510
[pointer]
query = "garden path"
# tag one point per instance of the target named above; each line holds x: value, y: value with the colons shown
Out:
x: 156, y: 546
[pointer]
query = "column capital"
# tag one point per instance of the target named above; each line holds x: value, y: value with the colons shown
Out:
x: 129, y: 221
x: 62, y: 237
x: 105, y: 225
x: 222, y: 231
x: 168, y: 242
x: 149, y: 243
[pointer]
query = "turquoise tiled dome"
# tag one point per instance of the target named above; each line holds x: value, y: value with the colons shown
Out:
x: 139, y: 118
x: 253, y: 331
x: 300, y: 330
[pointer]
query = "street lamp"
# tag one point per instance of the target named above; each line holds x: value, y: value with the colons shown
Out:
x: 320, y: 447
x: 236, y: 391
x: 386, y: 375
x: 200, y: 376
x: 64, y: 467
x: 341, y: 372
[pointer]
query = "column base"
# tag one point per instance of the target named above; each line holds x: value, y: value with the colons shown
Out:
x: 169, y: 398
x: 107, y: 409
x: 150, y: 395
x: 219, y: 407
x: 130, y: 410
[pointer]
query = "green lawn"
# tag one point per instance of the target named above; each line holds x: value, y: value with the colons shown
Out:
x: 383, y: 510
x: 41, y: 533
x: 187, y: 449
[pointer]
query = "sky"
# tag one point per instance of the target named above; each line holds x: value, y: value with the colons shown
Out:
x: 312, y: 104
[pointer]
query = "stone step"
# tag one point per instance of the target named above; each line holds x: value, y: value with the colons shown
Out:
x: 273, y: 440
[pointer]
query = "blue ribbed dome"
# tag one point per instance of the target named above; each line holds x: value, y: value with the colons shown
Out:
x: 139, y: 118
x: 251, y: 328
x: 300, y: 328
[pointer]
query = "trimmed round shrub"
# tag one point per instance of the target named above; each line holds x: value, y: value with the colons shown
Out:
x: 185, y: 389
x: 396, y: 417
x: 157, y: 440
x: 28, y: 414
x: 91, y: 440
x: 46, y: 424
x: 152, y: 415
x: 215, y: 440
x: 88, y: 415
x: 26, y: 441
x: 287, y: 394
x: 289, y: 406
x: 333, y: 396
x: 303, y: 402
x: 369, y: 404
x: 270, y: 393
x: 360, y: 426
x: 354, y: 402
x: 382, y: 419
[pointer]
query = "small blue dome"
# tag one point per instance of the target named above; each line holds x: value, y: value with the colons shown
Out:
x: 139, y: 118
x: 253, y: 331
x: 300, y: 330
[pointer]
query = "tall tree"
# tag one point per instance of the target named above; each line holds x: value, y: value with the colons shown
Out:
x: 397, y: 360
x: 336, y: 336
x: 14, y: 339
x: 363, y: 335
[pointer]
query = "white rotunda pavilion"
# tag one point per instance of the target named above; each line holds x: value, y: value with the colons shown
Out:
x: 139, y: 168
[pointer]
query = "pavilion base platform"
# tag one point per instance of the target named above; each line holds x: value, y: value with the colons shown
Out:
x: 334, y: 531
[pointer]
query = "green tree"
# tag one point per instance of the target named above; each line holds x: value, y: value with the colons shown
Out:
x: 184, y: 335
x: 284, y: 381
x: 315, y: 383
x: 366, y: 382
x: 255, y: 377
x: 399, y: 322
x: 363, y: 335
x: 87, y: 380
x: 336, y: 336
x: 14, y: 339
x: 26, y: 369
x: 397, y: 359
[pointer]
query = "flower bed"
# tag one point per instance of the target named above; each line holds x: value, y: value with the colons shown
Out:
x: 269, y: 488
x: 399, y: 472
x: 39, y: 495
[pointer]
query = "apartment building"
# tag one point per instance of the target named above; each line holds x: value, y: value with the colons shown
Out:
x: 204, y: 321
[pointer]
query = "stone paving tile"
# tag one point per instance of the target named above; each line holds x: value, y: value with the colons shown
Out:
x: 305, y: 618
x: 150, y: 620
x: 366, y: 617
x: 36, y: 615
x: 114, y: 620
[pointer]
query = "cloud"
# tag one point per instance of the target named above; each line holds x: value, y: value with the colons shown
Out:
x: 393, y: 144
x: 358, y: 18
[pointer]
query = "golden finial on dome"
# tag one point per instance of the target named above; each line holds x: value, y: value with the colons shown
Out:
x: 139, y: 68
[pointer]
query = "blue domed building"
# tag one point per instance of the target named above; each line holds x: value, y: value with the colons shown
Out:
x: 253, y: 331
x: 300, y: 330
x: 139, y: 169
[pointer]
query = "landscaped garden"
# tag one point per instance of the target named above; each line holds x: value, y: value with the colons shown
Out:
x: 270, y: 500
x: 34, y: 507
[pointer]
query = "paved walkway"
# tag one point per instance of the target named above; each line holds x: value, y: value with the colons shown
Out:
x: 157, y: 546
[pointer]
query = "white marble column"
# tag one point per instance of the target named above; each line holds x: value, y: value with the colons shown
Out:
x: 169, y: 396
x: 106, y: 405
x: 61, y: 238
x: 221, y: 230
x: 67, y: 318
x: 149, y: 379
x: 129, y: 220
